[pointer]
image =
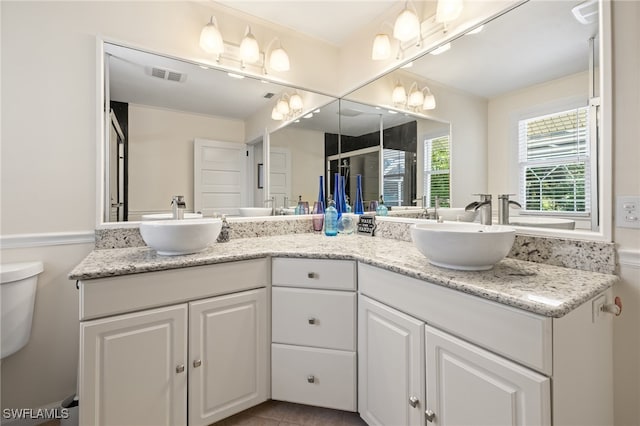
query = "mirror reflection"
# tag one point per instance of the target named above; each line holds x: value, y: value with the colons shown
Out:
x: 179, y: 128
x: 522, y: 99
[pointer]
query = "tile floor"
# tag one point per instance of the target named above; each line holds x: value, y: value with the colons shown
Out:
x: 277, y: 413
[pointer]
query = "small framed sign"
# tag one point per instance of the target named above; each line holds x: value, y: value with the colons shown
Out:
x: 367, y: 225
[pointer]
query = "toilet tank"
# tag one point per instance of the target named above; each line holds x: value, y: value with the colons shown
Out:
x: 18, y: 283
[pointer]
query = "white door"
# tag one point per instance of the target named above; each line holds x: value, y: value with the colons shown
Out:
x: 390, y: 366
x: 228, y: 355
x: 467, y: 385
x: 219, y: 181
x: 280, y: 176
x: 132, y: 369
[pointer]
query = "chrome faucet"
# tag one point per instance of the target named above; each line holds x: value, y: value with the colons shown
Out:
x: 178, y: 207
x: 484, y: 205
x: 503, y: 208
x: 272, y: 201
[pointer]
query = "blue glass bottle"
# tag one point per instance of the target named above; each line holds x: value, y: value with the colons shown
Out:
x: 337, y: 194
x: 320, y: 202
x: 381, y: 210
x: 331, y: 220
x: 359, y: 205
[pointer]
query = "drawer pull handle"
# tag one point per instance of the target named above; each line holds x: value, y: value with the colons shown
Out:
x: 312, y: 275
x: 180, y: 368
x: 430, y: 415
x: 197, y: 363
x: 413, y: 401
x: 312, y: 321
x: 311, y: 379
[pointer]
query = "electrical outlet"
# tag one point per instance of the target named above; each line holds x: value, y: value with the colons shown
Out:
x: 597, y: 306
x: 628, y: 212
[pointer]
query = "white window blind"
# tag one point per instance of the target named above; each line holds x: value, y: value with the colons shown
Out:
x: 554, y: 162
x: 393, y: 181
x: 437, y: 170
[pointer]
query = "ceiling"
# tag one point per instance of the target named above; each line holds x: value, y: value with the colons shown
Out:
x: 536, y: 34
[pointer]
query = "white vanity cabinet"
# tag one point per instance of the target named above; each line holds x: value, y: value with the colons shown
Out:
x: 313, y: 351
x: 436, y: 355
x: 202, y: 357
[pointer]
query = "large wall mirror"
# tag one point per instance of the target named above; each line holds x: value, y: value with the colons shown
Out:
x: 522, y: 94
x: 175, y: 127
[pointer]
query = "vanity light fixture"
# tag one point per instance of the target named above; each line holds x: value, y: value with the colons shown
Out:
x: 283, y: 105
x: 249, y: 49
x: 381, y: 47
x: 276, y: 115
x: 211, y: 38
x: 416, y: 98
x: 407, y: 25
x: 399, y: 95
x: 429, y: 100
x: 278, y: 58
x: 448, y: 10
x: 287, y: 107
x: 295, y: 103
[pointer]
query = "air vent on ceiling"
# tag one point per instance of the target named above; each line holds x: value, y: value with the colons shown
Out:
x: 166, y: 74
x: 586, y: 12
x: 269, y: 95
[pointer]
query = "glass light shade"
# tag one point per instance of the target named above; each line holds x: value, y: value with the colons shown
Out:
x: 429, y: 102
x: 279, y: 60
x: 399, y: 95
x: 211, y: 39
x: 407, y: 26
x: 275, y: 114
x: 416, y: 98
x: 249, y: 49
x: 381, y: 47
x: 295, y: 102
x: 448, y: 10
x: 283, y: 107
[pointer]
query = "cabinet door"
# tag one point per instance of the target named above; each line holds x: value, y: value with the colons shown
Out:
x: 467, y: 385
x: 228, y: 355
x: 390, y: 366
x: 132, y: 369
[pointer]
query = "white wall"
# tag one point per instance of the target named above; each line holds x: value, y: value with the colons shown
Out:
x: 307, y: 160
x: 161, y: 154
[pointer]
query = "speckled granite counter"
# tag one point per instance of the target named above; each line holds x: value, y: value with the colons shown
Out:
x: 543, y: 289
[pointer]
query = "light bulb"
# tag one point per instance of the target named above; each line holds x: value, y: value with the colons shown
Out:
x: 381, y: 47
x: 249, y: 49
x: 279, y: 60
x: 295, y: 102
x: 407, y: 26
x: 211, y: 39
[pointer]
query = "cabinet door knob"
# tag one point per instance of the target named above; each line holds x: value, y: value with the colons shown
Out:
x: 311, y: 379
x: 430, y: 415
x: 312, y: 321
x: 312, y: 275
x: 197, y: 363
x: 413, y: 401
x: 180, y: 368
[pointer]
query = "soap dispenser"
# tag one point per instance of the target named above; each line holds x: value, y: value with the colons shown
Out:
x: 381, y: 210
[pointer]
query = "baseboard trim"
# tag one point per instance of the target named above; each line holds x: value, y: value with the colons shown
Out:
x: 629, y: 258
x: 46, y: 239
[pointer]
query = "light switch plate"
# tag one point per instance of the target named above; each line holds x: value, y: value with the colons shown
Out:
x: 628, y: 211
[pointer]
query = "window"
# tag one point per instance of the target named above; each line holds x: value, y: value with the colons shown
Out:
x: 393, y: 180
x: 554, y: 162
x: 436, y: 170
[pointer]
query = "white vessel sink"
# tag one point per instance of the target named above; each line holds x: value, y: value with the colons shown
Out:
x: 464, y: 246
x: 255, y: 211
x: 543, y: 222
x: 167, y: 216
x: 175, y: 237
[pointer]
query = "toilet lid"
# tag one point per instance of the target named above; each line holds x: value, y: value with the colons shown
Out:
x: 10, y: 272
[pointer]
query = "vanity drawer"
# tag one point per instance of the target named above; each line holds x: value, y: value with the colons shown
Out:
x: 320, y: 377
x: 321, y: 318
x: 314, y: 273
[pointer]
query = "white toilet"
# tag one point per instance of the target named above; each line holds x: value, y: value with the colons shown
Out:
x: 18, y: 283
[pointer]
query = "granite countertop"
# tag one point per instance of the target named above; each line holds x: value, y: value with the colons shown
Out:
x: 542, y: 289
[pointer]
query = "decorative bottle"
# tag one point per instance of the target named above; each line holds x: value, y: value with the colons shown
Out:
x: 331, y: 219
x: 337, y: 194
x: 299, y: 207
x: 359, y: 205
x: 381, y: 210
x: 321, y: 202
